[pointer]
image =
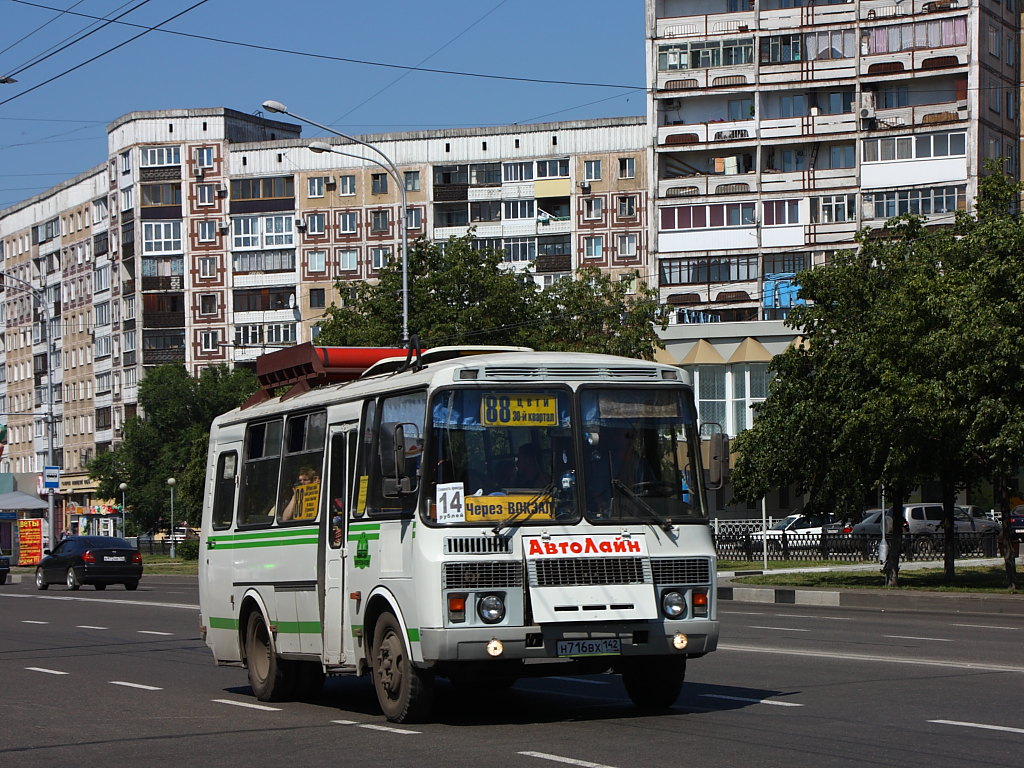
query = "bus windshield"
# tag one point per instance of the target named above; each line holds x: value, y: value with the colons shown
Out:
x: 640, y: 455
x: 518, y: 455
x: 502, y: 454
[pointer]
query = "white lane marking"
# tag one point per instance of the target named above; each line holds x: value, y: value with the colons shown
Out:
x: 912, y: 637
x: 806, y: 616
x: 246, y: 704
x: 984, y: 726
x: 743, y: 613
x: 962, y: 666
x: 579, y: 680
x: 566, y: 760
x: 187, y: 606
x: 750, y: 701
x: 86, y: 626
x: 985, y: 626
x: 26, y: 621
x: 781, y: 629
x: 345, y: 722
x: 47, y: 671
x: 152, y: 632
x: 136, y: 685
x: 387, y: 728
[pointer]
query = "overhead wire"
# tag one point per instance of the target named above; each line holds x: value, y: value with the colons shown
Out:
x: 29, y: 34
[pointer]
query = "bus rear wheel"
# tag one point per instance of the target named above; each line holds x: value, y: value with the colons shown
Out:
x: 405, y: 693
x: 268, y: 675
x: 654, y: 682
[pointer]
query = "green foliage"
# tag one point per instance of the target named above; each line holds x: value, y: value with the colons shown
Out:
x: 460, y: 295
x: 187, y: 549
x: 169, y: 440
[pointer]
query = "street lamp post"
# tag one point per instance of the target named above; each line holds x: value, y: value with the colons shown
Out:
x: 124, y: 509
x: 170, y: 483
x: 392, y: 170
x: 40, y: 296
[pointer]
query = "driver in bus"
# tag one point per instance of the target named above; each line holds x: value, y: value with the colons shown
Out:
x: 529, y: 473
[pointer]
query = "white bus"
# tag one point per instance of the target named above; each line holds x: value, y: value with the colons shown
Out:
x: 476, y: 514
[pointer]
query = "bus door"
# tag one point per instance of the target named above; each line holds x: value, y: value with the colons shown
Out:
x: 342, y: 451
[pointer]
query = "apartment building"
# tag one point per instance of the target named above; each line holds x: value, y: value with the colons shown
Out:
x: 781, y: 127
x: 211, y: 236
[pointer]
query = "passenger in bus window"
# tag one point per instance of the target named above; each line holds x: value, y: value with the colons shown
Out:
x: 307, y: 476
x: 336, y: 530
x: 529, y: 473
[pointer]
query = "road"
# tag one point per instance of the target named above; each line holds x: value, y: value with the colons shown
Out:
x: 98, y: 679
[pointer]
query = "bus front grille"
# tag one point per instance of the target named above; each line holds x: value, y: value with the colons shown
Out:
x: 476, y: 545
x: 483, y: 575
x: 579, y: 571
x: 681, y: 570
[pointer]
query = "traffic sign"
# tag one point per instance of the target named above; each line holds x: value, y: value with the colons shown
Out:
x: 51, y: 477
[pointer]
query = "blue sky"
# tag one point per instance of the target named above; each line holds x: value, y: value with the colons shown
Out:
x: 58, y: 129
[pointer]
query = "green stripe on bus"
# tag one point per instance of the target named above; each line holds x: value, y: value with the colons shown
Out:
x: 414, y: 635
x: 251, y: 544
x: 364, y: 527
x: 218, y: 623
x: 277, y: 533
x: 298, y: 627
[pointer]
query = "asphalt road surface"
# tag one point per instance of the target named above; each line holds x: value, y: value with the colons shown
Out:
x: 113, y: 678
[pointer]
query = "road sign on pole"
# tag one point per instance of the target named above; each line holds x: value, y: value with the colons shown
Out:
x: 51, y: 477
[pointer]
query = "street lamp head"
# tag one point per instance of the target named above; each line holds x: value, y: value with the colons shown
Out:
x: 275, y: 106
x: 123, y: 487
x: 171, y: 481
x: 320, y: 146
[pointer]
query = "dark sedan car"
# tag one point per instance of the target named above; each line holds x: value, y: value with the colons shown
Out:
x: 96, y: 560
x: 5, y: 567
x: 1017, y: 522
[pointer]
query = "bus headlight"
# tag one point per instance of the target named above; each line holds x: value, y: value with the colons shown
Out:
x: 491, y: 608
x: 673, y: 604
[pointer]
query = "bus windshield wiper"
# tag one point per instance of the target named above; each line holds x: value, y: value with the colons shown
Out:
x: 662, y: 522
x: 527, y: 509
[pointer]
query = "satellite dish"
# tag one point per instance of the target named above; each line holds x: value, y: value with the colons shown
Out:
x: 291, y: 301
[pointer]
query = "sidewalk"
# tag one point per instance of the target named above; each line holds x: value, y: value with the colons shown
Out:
x: 872, y: 599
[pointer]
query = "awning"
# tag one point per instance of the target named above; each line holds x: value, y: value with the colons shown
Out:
x: 750, y: 350
x: 16, y: 500
x: 702, y: 353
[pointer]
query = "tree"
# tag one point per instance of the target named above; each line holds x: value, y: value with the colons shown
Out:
x: 169, y: 440
x: 461, y: 295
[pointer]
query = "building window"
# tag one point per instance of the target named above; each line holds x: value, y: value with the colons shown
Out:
x: 414, y: 218
x: 157, y: 156
x: 840, y: 156
x: 379, y: 256
x: 204, y: 157
x: 210, y: 341
x: 781, y: 212
x: 627, y: 207
x: 208, y: 304
x: 412, y: 181
x: 706, y: 54
x: 317, y: 298
x: 101, y: 279
x: 707, y: 216
x: 317, y: 261
x: 207, y: 267
x: 346, y: 185
x: 704, y: 270
x: 316, y: 223
x: 627, y: 245
x: 830, y: 209
x: 379, y: 183
x: 269, y: 188
x: 263, y: 261
x: 553, y: 169
x: 517, y: 171
x: 127, y: 199
x: 348, y: 259
x: 161, y: 236
x: 922, y: 145
x: 315, y: 186
x: 207, y: 231
x: 126, y: 161
x: 206, y: 194
x: 593, y: 247
x: 519, y: 249
x: 380, y: 221
x: 593, y: 208
x: 348, y: 222
x: 519, y: 209
x: 627, y: 167
x: 592, y: 170
x: 885, y: 205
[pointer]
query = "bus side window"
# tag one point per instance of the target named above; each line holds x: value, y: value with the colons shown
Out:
x: 224, y: 491
x: 301, y: 467
x: 393, y: 454
x: 259, y: 473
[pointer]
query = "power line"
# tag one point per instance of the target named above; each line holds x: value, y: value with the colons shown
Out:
x: 44, y: 24
x: 104, y: 53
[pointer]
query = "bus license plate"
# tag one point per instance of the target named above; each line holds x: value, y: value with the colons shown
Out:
x: 608, y: 646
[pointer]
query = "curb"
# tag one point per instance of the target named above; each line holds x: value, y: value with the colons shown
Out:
x: 878, y: 600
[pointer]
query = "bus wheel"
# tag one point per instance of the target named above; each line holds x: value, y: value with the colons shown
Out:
x: 654, y: 682
x: 268, y: 675
x: 404, y: 692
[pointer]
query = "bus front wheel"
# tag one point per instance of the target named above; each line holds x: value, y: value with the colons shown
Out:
x: 654, y: 682
x: 405, y: 693
x: 267, y: 673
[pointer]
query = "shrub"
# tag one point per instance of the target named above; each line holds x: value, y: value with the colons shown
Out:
x: 188, y: 549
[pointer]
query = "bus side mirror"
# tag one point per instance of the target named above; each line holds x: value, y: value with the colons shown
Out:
x: 407, y: 450
x: 718, y: 463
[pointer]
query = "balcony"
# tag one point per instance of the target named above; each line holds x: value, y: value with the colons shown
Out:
x: 810, y: 15
x: 926, y: 59
x: 892, y: 9
x: 924, y: 115
x: 162, y: 356
x: 164, y: 320
x: 808, y: 125
x: 705, y: 25
x: 807, y: 71
x: 676, y: 80
x: 709, y: 184
x: 163, y: 283
x: 702, y: 133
